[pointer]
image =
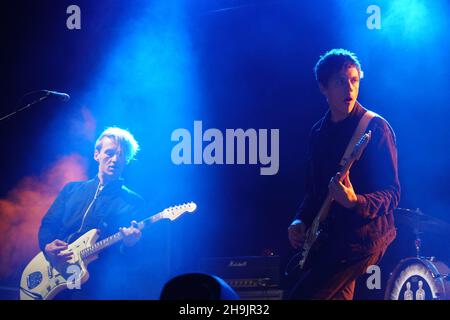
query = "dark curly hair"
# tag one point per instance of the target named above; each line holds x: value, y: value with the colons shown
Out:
x: 332, y: 62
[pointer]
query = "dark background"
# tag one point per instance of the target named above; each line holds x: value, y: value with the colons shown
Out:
x: 155, y: 66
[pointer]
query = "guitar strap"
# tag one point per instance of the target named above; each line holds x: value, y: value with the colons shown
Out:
x: 359, y: 131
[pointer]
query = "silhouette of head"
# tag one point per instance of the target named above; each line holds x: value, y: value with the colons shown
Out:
x: 197, y: 286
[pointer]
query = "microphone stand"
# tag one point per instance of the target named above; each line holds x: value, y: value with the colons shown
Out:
x: 28, y: 105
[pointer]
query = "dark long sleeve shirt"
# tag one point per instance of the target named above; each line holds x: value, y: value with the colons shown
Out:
x: 370, y: 224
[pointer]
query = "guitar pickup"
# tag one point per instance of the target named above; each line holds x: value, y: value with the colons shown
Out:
x: 50, y: 271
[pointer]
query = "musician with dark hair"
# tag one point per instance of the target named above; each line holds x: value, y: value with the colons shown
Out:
x: 359, y: 225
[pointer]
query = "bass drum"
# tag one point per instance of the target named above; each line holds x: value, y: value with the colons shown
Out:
x: 419, y: 279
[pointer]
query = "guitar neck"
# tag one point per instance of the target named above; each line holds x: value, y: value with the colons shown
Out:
x: 115, y: 238
x: 324, y: 210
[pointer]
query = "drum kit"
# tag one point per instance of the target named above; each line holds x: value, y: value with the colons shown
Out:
x: 420, y: 277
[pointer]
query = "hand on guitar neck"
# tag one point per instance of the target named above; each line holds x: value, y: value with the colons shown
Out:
x: 131, y: 235
x: 341, y: 190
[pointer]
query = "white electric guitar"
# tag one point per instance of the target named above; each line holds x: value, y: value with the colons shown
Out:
x: 43, y: 281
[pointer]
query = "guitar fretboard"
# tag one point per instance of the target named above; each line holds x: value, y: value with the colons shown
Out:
x: 105, y: 243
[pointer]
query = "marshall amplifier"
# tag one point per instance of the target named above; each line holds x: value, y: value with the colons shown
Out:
x: 252, y: 277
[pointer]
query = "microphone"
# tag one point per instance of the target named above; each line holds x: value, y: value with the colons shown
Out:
x: 61, y: 95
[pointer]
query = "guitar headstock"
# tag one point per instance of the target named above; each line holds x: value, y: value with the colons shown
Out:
x: 361, y: 145
x: 174, y: 212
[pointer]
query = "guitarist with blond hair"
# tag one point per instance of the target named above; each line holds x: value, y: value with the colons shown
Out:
x: 103, y: 203
x: 357, y: 205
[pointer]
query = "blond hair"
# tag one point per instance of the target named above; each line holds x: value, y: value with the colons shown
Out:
x: 123, y: 137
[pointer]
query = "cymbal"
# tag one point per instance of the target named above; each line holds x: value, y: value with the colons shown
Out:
x: 421, y: 222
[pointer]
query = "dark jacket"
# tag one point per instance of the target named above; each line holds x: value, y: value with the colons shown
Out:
x: 77, y: 210
x: 370, y: 225
x: 116, y: 206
